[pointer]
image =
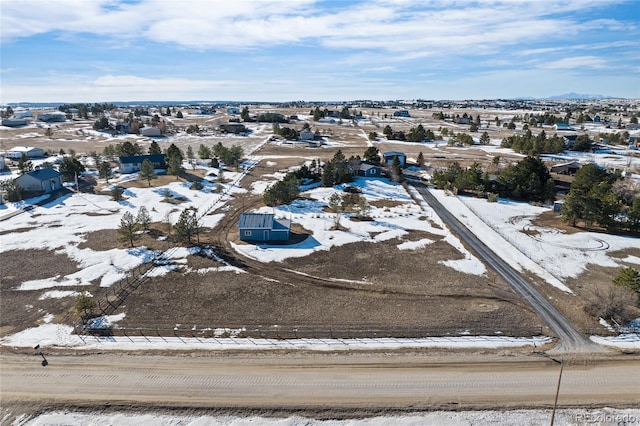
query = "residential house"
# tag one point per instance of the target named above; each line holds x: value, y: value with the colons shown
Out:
x: 17, y: 152
x: 566, y: 168
x: 22, y: 114
x: 307, y: 135
x: 42, y: 180
x: 235, y: 128
x: 150, y: 132
x: 52, y: 117
x: 263, y: 227
x: 14, y: 122
x: 562, y: 127
x: 387, y: 158
x: 233, y: 110
x: 132, y: 164
x: 401, y: 113
x: 369, y: 170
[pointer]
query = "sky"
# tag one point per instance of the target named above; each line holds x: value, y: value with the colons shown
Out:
x: 311, y: 50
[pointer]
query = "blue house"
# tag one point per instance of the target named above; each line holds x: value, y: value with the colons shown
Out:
x: 387, y: 158
x: 368, y: 170
x: 263, y: 227
x: 133, y: 163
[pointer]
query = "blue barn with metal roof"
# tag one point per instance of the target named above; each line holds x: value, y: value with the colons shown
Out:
x: 263, y: 227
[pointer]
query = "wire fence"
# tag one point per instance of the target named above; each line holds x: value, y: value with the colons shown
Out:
x: 304, y: 332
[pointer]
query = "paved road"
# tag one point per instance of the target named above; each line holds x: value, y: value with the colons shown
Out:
x: 291, y: 383
x: 571, y: 339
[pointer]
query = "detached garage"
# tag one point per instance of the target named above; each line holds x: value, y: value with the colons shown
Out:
x: 263, y: 227
x: 43, y: 180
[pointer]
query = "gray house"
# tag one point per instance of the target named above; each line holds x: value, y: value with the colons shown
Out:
x: 43, y: 180
x: 263, y: 227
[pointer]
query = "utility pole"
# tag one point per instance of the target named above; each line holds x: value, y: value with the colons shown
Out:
x: 555, y: 403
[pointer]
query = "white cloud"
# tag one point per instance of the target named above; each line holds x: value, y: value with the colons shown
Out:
x: 574, y: 62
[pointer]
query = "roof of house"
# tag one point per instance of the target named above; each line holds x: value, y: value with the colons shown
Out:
x: 365, y: 166
x: 44, y: 174
x: 24, y: 148
x: 154, y: 158
x: 393, y: 153
x: 262, y: 221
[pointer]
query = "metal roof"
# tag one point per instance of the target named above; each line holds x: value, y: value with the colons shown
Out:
x: 46, y: 173
x: 256, y: 220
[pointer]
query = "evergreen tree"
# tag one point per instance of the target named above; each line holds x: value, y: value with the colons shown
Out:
x: 204, y: 152
x: 190, y: 154
x: 85, y: 305
x: 628, y: 277
x: 187, y: 225
x: 179, y: 114
x: 174, y: 159
x: 154, y: 148
x: 372, y: 154
x: 147, y: 171
x: 104, y: 170
x: 128, y: 229
x: 420, y: 159
x: 70, y: 168
x: 24, y: 164
x: 143, y: 218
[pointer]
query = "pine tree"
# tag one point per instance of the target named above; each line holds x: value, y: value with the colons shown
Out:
x: 129, y: 227
x: 187, y: 225
x: 147, y: 171
x: 628, y: 277
x: 420, y: 159
x: 154, y: 148
x: 143, y: 218
x: 104, y: 170
x: 24, y: 164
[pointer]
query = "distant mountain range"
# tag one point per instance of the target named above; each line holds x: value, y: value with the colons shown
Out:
x: 570, y: 97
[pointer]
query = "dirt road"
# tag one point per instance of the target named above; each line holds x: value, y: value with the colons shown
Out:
x: 312, y: 381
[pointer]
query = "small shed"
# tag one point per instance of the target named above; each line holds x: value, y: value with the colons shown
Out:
x: 369, y: 170
x: 43, y: 180
x: 17, y: 152
x: 401, y: 113
x: 263, y: 227
x: 388, y: 157
x: 132, y: 164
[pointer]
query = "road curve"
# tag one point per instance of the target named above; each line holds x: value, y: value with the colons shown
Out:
x: 314, y: 381
x: 571, y: 339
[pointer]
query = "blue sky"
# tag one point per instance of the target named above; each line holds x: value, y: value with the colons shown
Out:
x: 277, y: 50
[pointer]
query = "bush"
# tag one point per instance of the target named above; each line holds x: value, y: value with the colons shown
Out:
x: 117, y: 193
x: 196, y: 186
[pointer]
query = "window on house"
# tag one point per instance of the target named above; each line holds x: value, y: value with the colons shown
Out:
x: 247, y: 233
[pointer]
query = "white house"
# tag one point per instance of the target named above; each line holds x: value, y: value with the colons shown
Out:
x: 43, y: 180
x: 18, y: 152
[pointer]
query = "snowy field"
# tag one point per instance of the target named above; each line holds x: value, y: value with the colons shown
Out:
x: 563, y: 417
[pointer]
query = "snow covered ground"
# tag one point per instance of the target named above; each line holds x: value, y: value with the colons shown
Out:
x: 563, y: 417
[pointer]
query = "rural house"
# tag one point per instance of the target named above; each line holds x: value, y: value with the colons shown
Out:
x: 368, y: 170
x: 52, y: 117
x: 401, y: 113
x: 233, y: 128
x: 132, y: 164
x: 566, y: 168
x: 17, y: 152
x: 263, y: 227
x: 43, y: 180
x: 387, y: 158
x: 14, y: 122
x: 151, y: 132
